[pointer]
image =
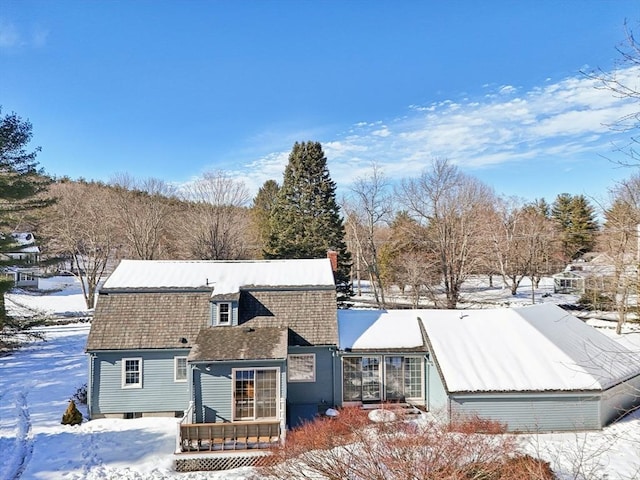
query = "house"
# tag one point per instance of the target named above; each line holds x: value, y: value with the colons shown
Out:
x: 595, y: 271
x: 535, y: 368
x: 25, y: 253
x: 240, y: 343
x: 243, y: 350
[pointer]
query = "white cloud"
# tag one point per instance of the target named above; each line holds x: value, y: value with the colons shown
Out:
x: 12, y: 37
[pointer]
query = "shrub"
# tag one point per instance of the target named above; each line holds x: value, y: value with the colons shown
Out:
x: 596, y: 300
x: 350, y: 447
x: 81, y: 395
x: 72, y: 415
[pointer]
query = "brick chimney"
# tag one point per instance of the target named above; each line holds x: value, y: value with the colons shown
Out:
x: 332, y: 255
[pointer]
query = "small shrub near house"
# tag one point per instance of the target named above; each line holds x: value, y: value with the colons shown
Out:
x: 350, y: 447
x: 595, y: 300
x: 72, y: 415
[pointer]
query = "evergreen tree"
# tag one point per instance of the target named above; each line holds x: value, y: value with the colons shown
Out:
x: 575, y: 220
x: 305, y: 221
x: 21, y: 185
x: 261, y: 208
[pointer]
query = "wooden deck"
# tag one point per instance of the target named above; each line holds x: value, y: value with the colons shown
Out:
x: 229, y: 436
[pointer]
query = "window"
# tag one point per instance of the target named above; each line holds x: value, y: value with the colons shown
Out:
x: 224, y: 313
x: 131, y: 373
x: 255, y: 393
x: 302, y: 367
x: 180, y: 369
x: 364, y: 379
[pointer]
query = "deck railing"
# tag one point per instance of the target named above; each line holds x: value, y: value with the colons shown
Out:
x: 223, y: 436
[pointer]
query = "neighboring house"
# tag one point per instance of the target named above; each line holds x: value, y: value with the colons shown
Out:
x: 594, y: 271
x: 534, y: 368
x: 229, y: 342
x: 26, y: 254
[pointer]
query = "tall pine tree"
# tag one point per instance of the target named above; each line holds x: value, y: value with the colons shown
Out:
x: 21, y: 183
x: 305, y: 221
x: 575, y: 220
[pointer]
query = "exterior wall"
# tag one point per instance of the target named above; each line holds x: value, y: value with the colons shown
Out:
x: 532, y: 412
x: 619, y: 400
x: 306, y: 399
x: 437, y: 399
x: 160, y: 393
x: 213, y: 388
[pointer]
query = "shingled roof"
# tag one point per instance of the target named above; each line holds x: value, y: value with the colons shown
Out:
x: 310, y: 315
x: 239, y: 343
x: 126, y: 321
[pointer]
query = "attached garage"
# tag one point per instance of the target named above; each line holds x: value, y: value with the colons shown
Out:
x: 534, y: 368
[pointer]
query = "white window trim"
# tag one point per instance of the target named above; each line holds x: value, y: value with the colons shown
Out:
x: 233, y: 399
x: 301, y: 380
x: 175, y: 369
x: 124, y: 373
x: 230, y: 313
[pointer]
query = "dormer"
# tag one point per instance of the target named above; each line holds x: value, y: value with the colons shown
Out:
x: 224, y: 311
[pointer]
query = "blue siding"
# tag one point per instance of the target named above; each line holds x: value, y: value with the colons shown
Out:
x: 213, y: 388
x: 437, y: 399
x: 532, y: 412
x: 159, y: 392
x: 306, y: 399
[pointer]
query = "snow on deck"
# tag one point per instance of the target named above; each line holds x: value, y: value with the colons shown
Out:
x: 223, y: 276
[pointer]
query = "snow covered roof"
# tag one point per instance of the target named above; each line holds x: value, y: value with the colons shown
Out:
x: 379, y: 330
x: 224, y: 277
x: 535, y: 348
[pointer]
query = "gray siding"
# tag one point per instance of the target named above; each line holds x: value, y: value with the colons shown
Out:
x: 619, y: 400
x: 532, y: 412
x: 213, y: 389
x: 159, y: 392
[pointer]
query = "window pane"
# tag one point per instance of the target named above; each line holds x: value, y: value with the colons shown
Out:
x: 394, y: 378
x: 244, y: 393
x: 223, y: 312
x: 302, y: 368
x: 132, y: 372
x: 370, y: 378
x: 266, y: 393
x: 352, y: 378
x: 181, y: 368
x: 413, y: 377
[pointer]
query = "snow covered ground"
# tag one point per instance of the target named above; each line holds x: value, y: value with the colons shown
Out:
x: 37, y: 382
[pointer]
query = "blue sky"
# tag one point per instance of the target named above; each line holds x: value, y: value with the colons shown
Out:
x: 170, y: 89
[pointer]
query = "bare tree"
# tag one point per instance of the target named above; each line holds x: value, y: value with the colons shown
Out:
x: 619, y: 240
x: 143, y: 213
x: 623, y: 83
x: 368, y: 206
x: 80, y: 224
x: 452, y: 207
x: 217, y: 221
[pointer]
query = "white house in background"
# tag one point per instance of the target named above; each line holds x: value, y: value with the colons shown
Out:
x: 592, y: 271
x: 535, y: 368
x: 26, y: 254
